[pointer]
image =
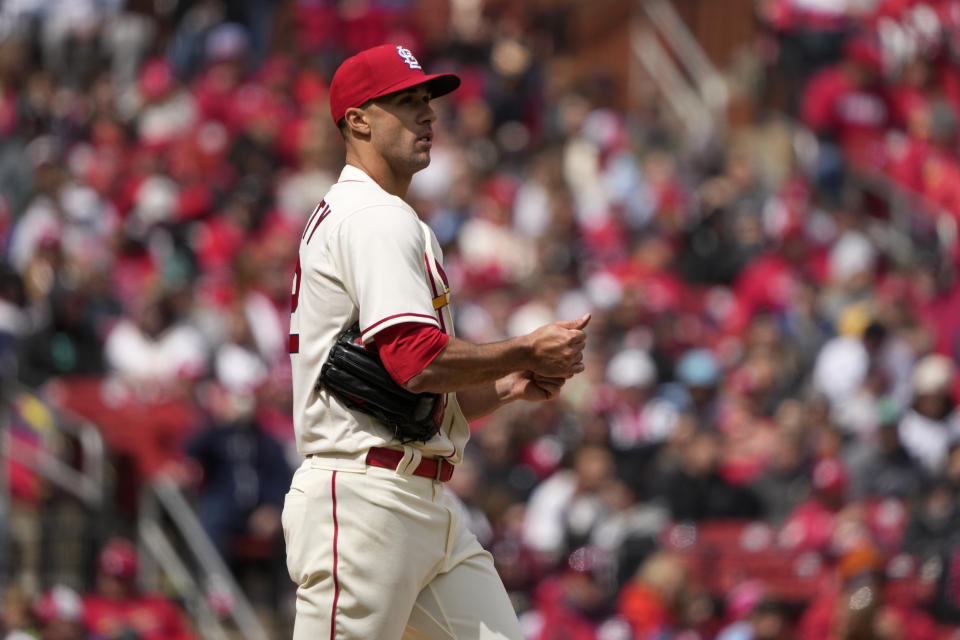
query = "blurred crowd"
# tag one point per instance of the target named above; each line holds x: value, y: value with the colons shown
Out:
x: 882, y: 90
x: 764, y: 443
x: 115, y: 607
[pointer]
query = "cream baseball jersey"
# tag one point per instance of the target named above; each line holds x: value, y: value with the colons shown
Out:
x: 364, y: 255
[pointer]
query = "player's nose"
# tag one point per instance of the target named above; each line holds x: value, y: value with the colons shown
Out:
x: 427, y: 114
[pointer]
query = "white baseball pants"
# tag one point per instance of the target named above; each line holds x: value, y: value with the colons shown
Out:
x: 380, y: 555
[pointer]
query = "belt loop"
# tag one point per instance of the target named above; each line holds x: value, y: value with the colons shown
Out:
x: 410, y: 461
x: 439, y: 473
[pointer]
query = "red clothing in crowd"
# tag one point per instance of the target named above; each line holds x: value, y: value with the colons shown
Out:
x: 662, y: 290
x: 767, y: 283
x: 821, y: 620
x: 857, y: 117
x: 940, y: 175
x: 941, y: 314
x: 905, y: 160
x: 644, y: 610
x: 557, y: 619
x: 151, y: 617
x: 809, y: 527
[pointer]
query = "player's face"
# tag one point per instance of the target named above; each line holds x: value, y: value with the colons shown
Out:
x: 402, y: 128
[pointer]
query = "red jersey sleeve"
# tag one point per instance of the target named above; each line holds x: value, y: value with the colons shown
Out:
x: 407, y: 348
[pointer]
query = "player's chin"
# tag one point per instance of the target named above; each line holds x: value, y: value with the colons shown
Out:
x: 420, y: 160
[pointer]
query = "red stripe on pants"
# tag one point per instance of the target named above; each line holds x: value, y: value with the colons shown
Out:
x: 336, y: 581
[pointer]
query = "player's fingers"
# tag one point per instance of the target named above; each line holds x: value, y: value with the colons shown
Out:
x: 576, y: 358
x: 552, y: 391
x: 550, y: 382
x: 541, y: 379
x: 566, y: 373
x: 549, y: 391
x: 565, y: 368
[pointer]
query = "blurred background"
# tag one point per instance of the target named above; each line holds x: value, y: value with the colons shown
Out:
x: 756, y: 199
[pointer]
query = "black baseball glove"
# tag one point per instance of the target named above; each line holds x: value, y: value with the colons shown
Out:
x: 357, y: 378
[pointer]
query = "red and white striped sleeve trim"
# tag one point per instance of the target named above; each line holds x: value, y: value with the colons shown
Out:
x: 389, y: 321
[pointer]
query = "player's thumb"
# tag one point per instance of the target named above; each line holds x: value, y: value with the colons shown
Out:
x: 579, y: 323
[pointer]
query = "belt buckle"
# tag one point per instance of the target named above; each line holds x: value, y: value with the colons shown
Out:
x: 436, y: 476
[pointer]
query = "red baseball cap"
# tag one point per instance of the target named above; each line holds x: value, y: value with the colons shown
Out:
x: 118, y: 559
x: 865, y: 52
x: 378, y: 71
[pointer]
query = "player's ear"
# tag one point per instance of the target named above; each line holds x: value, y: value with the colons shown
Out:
x: 357, y: 120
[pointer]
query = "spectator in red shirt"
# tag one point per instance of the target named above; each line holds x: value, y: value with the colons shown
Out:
x: 811, y: 526
x: 651, y: 603
x: 856, y: 608
x: 662, y: 599
x: 118, y: 610
x: 845, y: 102
x: 575, y: 604
x: 846, y: 107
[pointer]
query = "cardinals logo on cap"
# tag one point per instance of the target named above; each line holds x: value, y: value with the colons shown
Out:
x: 408, y: 58
x: 374, y: 72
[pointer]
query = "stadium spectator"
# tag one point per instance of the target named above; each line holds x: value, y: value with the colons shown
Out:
x: 566, y: 507
x: 157, y: 346
x: 767, y: 620
x: 846, y: 105
x: 934, y: 527
x: 930, y: 424
x: 59, y: 614
x: 812, y: 525
x: 699, y: 373
x: 13, y: 316
x: 15, y: 614
x: 576, y: 603
x: 68, y: 345
x: 785, y: 482
x: 167, y: 109
x: 695, y: 490
x: 636, y: 419
x: 856, y: 609
x: 881, y: 466
x: 662, y: 600
x: 245, y: 473
x: 117, y: 609
x: 631, y: 530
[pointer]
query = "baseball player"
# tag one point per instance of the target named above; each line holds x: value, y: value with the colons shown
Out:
x: 377, y: 548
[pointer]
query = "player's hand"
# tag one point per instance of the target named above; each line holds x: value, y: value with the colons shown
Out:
x: 533, y: 387
x: 558, y: 348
